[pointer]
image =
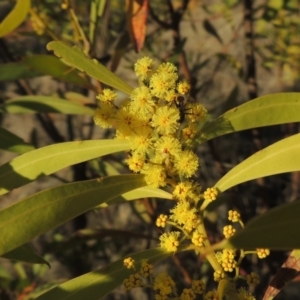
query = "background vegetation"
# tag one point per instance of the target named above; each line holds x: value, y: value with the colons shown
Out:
x: 231, y: 51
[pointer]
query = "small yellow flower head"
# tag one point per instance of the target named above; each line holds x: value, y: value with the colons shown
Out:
x: 171, y: 96
x: 198, y: 286
x: 187, y: 294
x: 107, y: 96
x: 136, y: 162
x: 186, y: 216
x: 198, y: 239
x: 212, y: 295
x: 227, y: 261
x: 183, y: 87
x: 187, y: 190
x: 133, y: 281
x: 162, y: 83
x: 167, y: 145
x: 105, y: 115
x: 252, y: 279
x: 146, y: 269
x: 210, y: 194
x: 262, y: 253
x: 163, y: 284
x: 169, y: 240
x: 142, y: 100
x: 129, y: 263
x: 141, y: 140
x: 167, y: 67
x: 188, y: 133
x: 160, y: 297
x: 228, y: 231
x: 165, y: 120
x: 219, y: 275
x: 143, y: 67
x: 234, y: 216
x: 245, y: 294
x: 161, y: 221
x: 155, y: 175
x: 197, y: 112
x: 186, y: 163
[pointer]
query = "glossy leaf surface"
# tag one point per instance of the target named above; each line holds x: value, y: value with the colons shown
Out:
x: 281, y: 157
x: 267, y: 110
x: 47, y: 160
x: 51, y: 65
x: 44, y: 104
x: 143, y: 192
x: 74, y: 57
x: 37, y: 214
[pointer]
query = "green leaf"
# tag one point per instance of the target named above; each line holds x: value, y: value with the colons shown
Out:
x: 47, y: 160
x: 75, y: 57
x: 26, y: 254
x: 13, y: 143
x: 44, y: 104
x: 275, y: 229
x: 15, y: 71
x: 39, y: 213
x: 263, y: 111
x: 144, y: 192
x: 15, y: 17
x: 50, y: 65
x: 280, y: 157
x: 97, y: 284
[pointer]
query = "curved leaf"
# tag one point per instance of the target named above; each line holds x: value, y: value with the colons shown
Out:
x: 47, y: 160
x: 263, y: 111
x: 26, y: 254
x: 97, y: 284
x: 281, y: 157
x: 13, y: 143
x: 43, y: 104
x: 15, y: 17
x: 15, y: 71
x: 74, y: 57
x: 30, y: 217
x: 51, y: 65
x: 276, y: 229
x: 143, y: 192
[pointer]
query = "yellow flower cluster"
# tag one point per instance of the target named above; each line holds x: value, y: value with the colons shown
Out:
x: 133, y: 281
x: 159, y: 122
x: 136, y: 279
x: 252, y: 279
x: 210, y: 194
x: 169, y: 240
x: 262, y: 253
x: 188, y: 294
x: 161, y: 221
x: 163, y: 285
x: 219, y: 275
x: 234, y: 216
x: 227, y: 260
x: 228, y: 231
x: 129, y: 262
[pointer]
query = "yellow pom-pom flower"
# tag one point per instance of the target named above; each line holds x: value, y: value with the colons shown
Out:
x: 170, y: 240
